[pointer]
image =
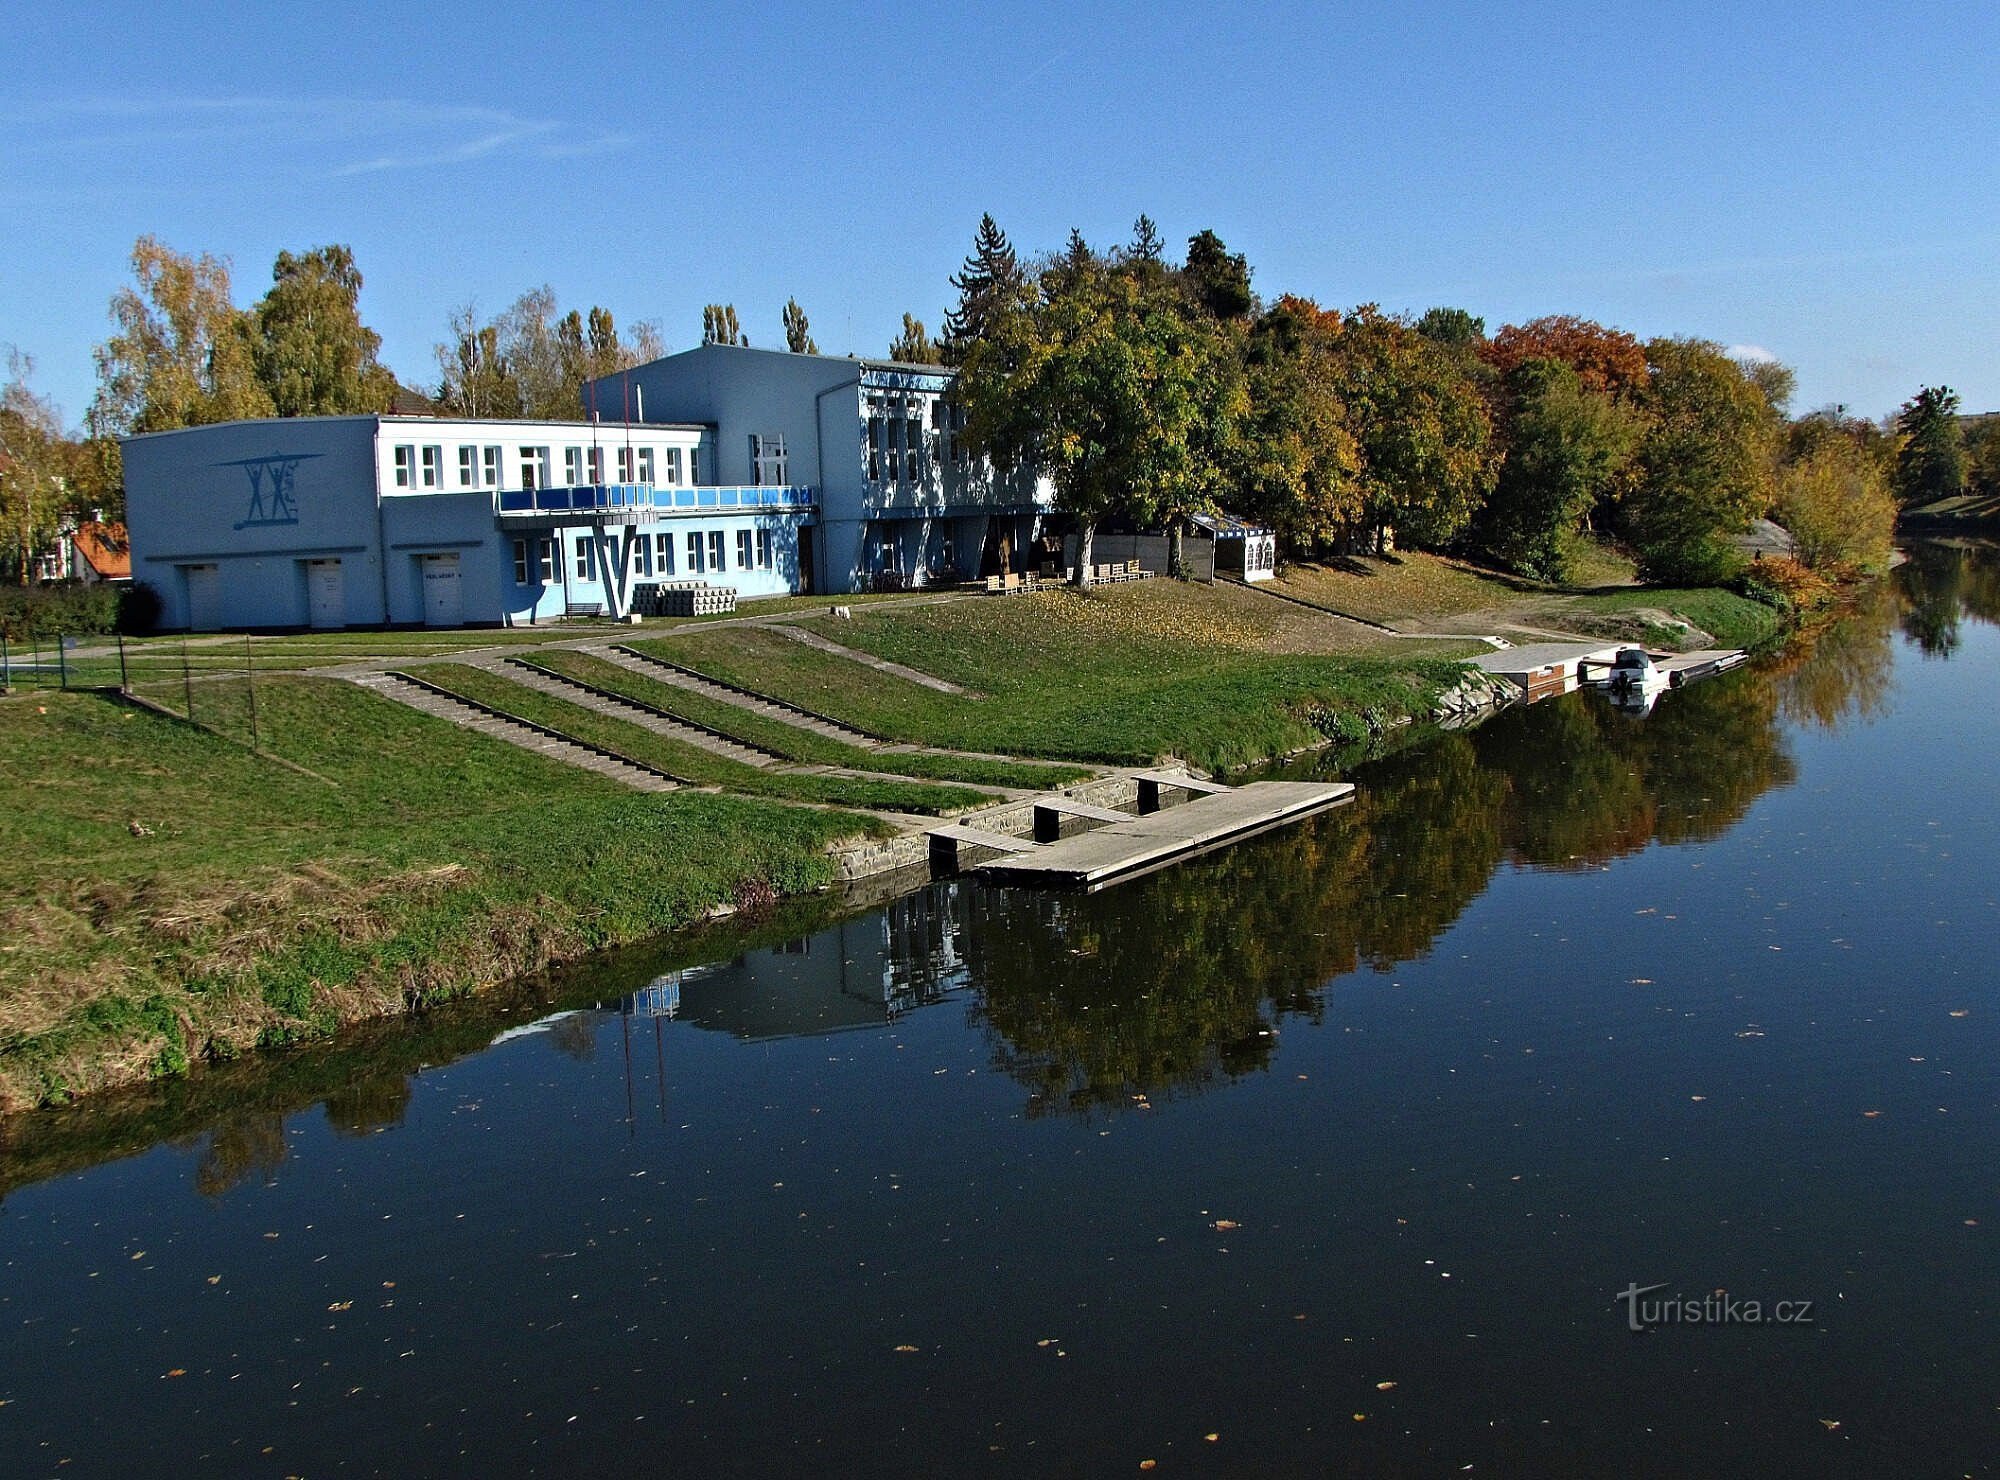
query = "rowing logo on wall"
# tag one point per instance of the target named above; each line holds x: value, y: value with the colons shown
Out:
x: 272, y: 499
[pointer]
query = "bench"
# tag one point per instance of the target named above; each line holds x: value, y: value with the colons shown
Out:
x: 584, y: 609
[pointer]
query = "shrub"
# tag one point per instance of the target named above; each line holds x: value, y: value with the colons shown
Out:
x: 1787, y: 584
x: 73, y: 609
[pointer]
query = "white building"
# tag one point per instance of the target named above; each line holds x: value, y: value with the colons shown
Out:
x: 764, y: 471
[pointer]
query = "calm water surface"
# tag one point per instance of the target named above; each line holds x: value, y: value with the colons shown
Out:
x: 1331, y: 1153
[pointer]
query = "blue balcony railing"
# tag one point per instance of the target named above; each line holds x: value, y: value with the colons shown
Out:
x: 591, y: 497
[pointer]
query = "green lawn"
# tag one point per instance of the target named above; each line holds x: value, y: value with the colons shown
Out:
x: 1732, y: 620
x: 790, y: 740
x: 690, y: 762
x: 171, y: 895
x: 1127, y: 675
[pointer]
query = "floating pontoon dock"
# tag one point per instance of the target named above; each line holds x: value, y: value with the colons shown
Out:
x: 1116, y: 845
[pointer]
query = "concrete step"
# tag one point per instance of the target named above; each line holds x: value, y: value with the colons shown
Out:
x: 618, y: 707
x: 664, y: 672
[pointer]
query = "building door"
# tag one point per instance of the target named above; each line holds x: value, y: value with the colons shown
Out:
x: 204, y: 597
x: 326, y: 594
x: 444, y: 599
x: 805, y: 560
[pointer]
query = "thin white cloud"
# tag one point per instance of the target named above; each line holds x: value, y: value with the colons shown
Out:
x: 344, y: 136
x: 1755, y: 354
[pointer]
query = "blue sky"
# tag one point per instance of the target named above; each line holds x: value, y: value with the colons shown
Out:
x: 1816, y: 181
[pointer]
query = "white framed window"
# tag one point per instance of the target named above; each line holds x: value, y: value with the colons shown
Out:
x: 763, y: 549
x: 433, y: 467
x: 715, y: 560
x: 547, y: 557
x: 625, y: 465
x: 696, y: 565
x: 892, y: 433
x: 673, y: 457
x: 490, y: 466
x: 468, y: 467
x: 645, y: 553
x: 663, y: 553
x: 535, y: 467
x: 406, y: 466
x: 520, y: 562
x: 646, y: 465
x: 694, y: 465
x: 597, y: 465
x: 769, y: 466
x: 586, y: 558
x: 874, y: 449
x: 573, y: 467
x: 743, y: 549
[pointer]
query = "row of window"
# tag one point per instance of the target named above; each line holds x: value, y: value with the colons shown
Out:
x: 479, y: 467
x: 652, y: 555
x: 898, y: 445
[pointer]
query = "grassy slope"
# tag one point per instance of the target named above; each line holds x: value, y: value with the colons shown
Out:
x: 1127, y: 676
x: 690, y: 762
x: 790, y: 740
x: 261, y: 904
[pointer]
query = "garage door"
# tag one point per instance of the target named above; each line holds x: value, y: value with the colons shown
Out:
x: 204, y: 597
x: 444, y: 601
x: 326, y: 594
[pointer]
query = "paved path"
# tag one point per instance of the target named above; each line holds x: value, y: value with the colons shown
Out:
x: 880, y: 665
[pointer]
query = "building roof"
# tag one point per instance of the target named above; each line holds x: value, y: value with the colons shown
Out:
x: 580, y: 423
x: 1228, y: 526
x: 104, y: 548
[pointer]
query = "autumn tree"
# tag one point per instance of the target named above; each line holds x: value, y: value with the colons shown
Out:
x: 474, y: 376
x: 1297, y: 462
x: 798, y: 336
x: 1704, y: 463
x: 183, y: 354
x: 1837, y: 505
x: 719, y: 326
x: 1566, y: 448
x: 32, y: 458
x: 313, y: 354
x: 1608, y: 361
x: 990, y: 284
x: 1425, y: 434
x: 914, y: 345
x: 533, y: 359
x: 1931, y: 464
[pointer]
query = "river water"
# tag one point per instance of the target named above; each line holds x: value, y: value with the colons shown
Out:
x: 1332, y: 1152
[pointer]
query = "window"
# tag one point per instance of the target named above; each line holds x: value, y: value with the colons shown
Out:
x: 694, y: 465
x: 535, y: 469
x: 743, y: 549
x: 586, y: 563
x: 547, y: 558
x: 763, y: 549
x: 893, y: 436
x: 597, y: 465
x: 695, y: 563
x: 491, y: 467
x: 406, y: 465
x: 520, y: 562
x: 646, y: 465
x: 433, y: 467
x: 715, y: 562
x: 645, y: 545
x: 673, y: 455
x: 468, y: 467
x: 769, y: 467
x: 625, y: 465
x: 874, y: 449
x: 664, y: 553
x: 959, y: 453
x: 573, y: 467
x: 913, y: 438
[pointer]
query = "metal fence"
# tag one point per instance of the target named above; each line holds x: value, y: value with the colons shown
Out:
x: 213, y: 684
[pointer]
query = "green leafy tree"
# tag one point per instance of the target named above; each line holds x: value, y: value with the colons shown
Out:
x: 719, y: 325
x: 1426, y: 436
x: 1566, y: 448
x: 1218, y: 280
x: 1146, y: 249
x: 798, y: 336
x: 1704, y: 466
x: 533, y: 359
x: 1110, y: 389
x: 1452, y: 327
x: 313, y: 354
x: 991, y: 284
x: 1931, y: 465
x: 914, y: 346
x: 183, y: 354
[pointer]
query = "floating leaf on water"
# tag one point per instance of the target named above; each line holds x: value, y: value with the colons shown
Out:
x: 1830, y: 1424
x: 1223, y: 1225
x: 1383, y: 1387
x: 1870, y: 1114
x: 906, y: 1348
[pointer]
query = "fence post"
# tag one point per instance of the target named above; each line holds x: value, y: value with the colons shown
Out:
x: 187, y: 684
x: 124, y: 678
x: 6, y: 666
x: 62, y: 661
x: 250, y: 677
